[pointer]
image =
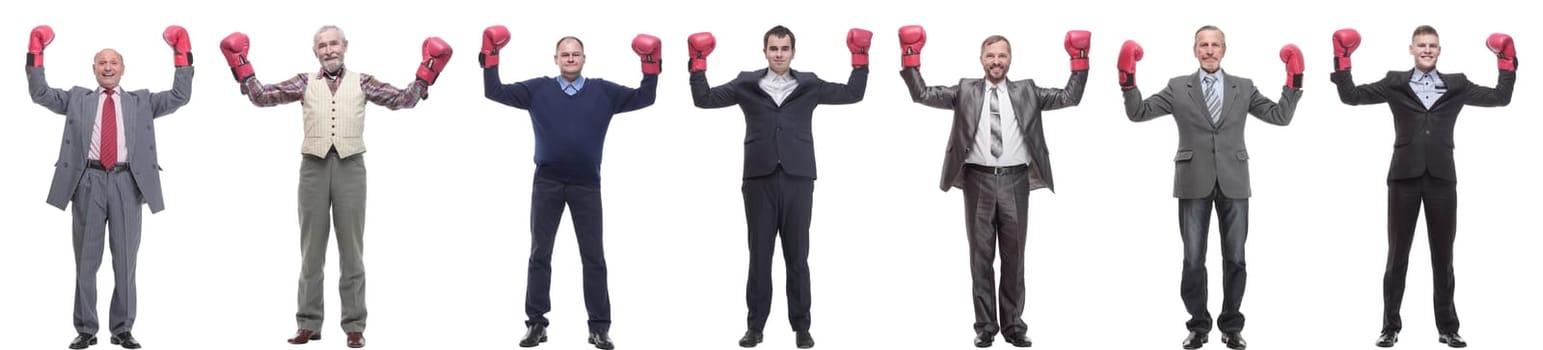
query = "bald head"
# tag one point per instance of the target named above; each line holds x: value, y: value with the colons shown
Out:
x: 108, y: 67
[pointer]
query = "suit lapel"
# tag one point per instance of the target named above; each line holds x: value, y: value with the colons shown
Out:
x: 1401, y: 83
x: 1455, y: 85
x: 1232, y: 101
x: 130, y: 123
x: 805, y: 84
x: 751, y: 81
x: 974, y: 98
x: 1197, y: 96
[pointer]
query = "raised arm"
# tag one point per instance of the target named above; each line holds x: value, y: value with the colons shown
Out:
x: 1137, y: 109
x: 385, y: 95
x: 56, y: 100
x: 514, y: 95
x: 625, y: 99
x: 1077, y: 44
x: 235, y: 48
x: 858, y: 41
x: 166, y: 102
x: 912, y: 39
x: 700, y: 45
x: 1500, y: 95
x: 1278, y: 113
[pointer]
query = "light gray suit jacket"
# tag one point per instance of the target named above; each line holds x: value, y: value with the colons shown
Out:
x: 79, y: 106
x: 965, y: 99
x: 1211, y: 154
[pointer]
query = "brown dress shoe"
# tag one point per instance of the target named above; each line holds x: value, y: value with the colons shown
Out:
x: 303, y: 336
x: 356, y: 339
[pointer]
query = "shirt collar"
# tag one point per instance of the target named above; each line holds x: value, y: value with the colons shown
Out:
x: 577, y: 84
x: 116, y: 91
x: 1434, y: 75
x: 773, y: 76
x: 322, y: 73
x: 1218, y: 75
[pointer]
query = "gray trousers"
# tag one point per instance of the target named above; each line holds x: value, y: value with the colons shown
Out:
x: 996, y: 213
x: 332, y: 196
x: 106, y: 207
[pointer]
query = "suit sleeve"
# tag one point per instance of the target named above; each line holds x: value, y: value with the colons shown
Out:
x: 166, y: 102
x: 625, y: 99
x: 515, y: 95
x: 1272, y: 112
x: 1498, y: 96
x: 1053, y: 98
x: 715, y: 97
x: 56, y: 100
x: 1158, y: 105
x: 1352, y: 94
x: 932, y: 96
x: 849, y: 93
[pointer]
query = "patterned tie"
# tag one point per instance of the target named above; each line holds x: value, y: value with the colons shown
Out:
x: 996, y: 126
x: 109, y: 152
x: 1213, y: 100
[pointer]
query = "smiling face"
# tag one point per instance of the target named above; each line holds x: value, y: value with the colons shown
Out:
x: 1425, y: 48
x: 108, y: 67
x: 1210, y: 47
x: 996, y: 58
x: 330, y: 47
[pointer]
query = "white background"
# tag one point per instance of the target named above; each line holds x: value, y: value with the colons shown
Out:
x: 447, y: 233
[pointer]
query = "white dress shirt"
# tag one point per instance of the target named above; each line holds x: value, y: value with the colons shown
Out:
x: 1013, y: 152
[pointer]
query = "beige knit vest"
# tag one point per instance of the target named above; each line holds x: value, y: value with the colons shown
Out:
x: 334, y: 119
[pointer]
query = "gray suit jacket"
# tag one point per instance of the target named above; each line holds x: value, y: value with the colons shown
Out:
x: 140, y: 108
x: 1211, y: 154
x: 965, y: 99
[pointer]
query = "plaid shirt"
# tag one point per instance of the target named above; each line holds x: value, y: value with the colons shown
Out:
x: 379, y: 92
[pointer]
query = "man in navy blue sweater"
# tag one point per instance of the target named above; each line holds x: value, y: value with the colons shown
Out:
x: 779, y: 161
x: 570, y: 115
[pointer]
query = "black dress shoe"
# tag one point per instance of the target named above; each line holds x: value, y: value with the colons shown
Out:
x: 82, y: 341
x: 601, y: 340
x: 126, y: 340
x: 983, y: 339
x: 534, y: 335
x: 750, y: 339
x: 1195, y: 340
x: 803, y: 340
x: 1453, y: 340
x: 1018, y: 340
x: 1234, y: 340
x: 1387, y: 339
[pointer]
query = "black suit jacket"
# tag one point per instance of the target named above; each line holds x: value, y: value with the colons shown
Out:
x: 778, y: 134
x: 1423, y: 139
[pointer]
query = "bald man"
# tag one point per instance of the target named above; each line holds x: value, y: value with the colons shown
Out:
x: 107, y: 167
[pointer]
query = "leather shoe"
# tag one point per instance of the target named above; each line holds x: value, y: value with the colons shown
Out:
x: 804, y: 340
x: 303, y: 336
x: 1234, y: 340
x: 1195, y: 340
x: 534, y: 335
x: 82, y: 341
x: 125, y: 339
x: 1453, y: 340
x: 750, y: 339
x: 983, y: 339
x: 601, y: 340
x: 1387, y: 339
x: 356, y: 339
x: 1018, y: 340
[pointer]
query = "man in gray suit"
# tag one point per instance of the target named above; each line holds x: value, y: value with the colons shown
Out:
x: 108, y: 168
x: 1211, y: 166
x: 997, y: 155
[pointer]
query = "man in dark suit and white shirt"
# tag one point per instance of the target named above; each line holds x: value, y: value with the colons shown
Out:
x: 779, y: 174
x: 997, y: 155
x: 1425, y: 104
x: 1211, y: 166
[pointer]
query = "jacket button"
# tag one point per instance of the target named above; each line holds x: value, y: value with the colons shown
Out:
x: 1427, y: 132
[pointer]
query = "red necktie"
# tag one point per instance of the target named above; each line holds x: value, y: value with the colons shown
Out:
x: 109, y: 153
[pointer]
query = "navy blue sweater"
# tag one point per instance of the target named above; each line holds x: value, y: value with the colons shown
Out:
x: 570, y: 130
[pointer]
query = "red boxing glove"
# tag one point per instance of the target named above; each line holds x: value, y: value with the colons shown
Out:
x: 1077, y: 43
x: 912, y: 39
x: 177, y: 38
x: 647, y: 48
x: 858, y: 41
x: 40, y: 38
x: 1292, y: 56
x: 1130, y: 53
x: 493, y: 39
x: 700, y: 45
x: 1504, y: 49
x: 436, y: 54
x: 235, y: 48
x: 1345, y: 42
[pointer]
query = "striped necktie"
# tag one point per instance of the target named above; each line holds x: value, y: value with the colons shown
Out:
x: 1213, y: 100
x: 996, y: 125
